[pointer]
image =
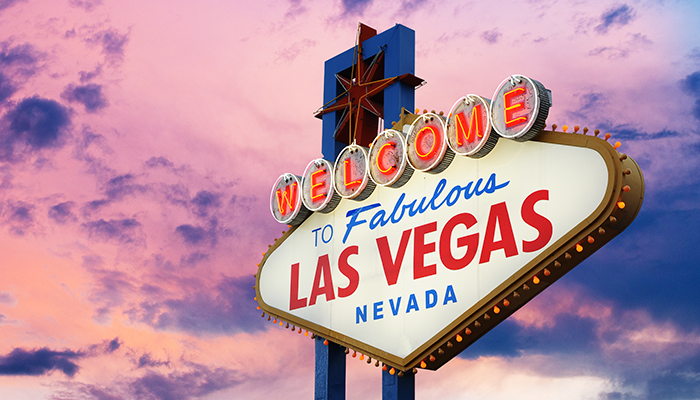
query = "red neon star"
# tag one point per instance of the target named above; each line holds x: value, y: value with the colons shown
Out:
x: 362, y: 100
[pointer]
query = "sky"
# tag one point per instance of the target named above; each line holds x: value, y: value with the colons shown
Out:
x: 139, y: 141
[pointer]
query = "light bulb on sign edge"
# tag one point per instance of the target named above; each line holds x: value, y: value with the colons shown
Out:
x: 579, y: 248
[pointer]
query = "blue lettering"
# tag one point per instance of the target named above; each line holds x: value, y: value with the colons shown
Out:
x: 396, y: 208
x: 455, y: 190
x: 412, y: 304
x: 323, y: 234
x: 377, y: 219
x: 378, y: 309
x: 316, y: 236
x: 438, y: 191
x: 361, y: 313
x: 395, y: 310
x: 415, y: 207
x: 430, y: 298
x: 353, y: 214
x: 467, y: 194
x: 449, y: 295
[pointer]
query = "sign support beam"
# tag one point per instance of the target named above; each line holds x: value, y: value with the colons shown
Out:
x: 330, y: 371
x: 395, y: 387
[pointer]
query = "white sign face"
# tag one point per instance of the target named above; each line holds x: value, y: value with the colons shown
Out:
x: 394, y: 270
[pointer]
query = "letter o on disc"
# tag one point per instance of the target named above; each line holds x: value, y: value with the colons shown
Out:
x: 469, y: 129
x: 285, y: 200
x: 387, y: 160
x: 350, y: 175
x: 317, y: 192
x: 426, y: 146
x: 520, y: 107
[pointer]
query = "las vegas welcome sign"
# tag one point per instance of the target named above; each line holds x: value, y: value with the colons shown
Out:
x: 411, y: 250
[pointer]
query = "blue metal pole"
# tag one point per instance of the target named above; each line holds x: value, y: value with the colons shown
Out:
x: 330, y: 371
x: 398, y: 388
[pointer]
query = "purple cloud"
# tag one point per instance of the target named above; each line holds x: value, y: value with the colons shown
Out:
x: 39, y: 362
x: 34, y: 124
x: 229, y: 308
x: 617, y: 16
x: 6, y: 87
x: 62, y: 212
x: 19, y: 217
x: 691, y: 86
x: 146, y: 360
x: 354, y: 7
x: 491, y: 36
x: 204, y: 201
x: 23, y: 58
x: 8, y: 3
x: 193, y: 234
x: 87, y: 76
x: 183, y: 385
x: 113, y: 43
x: 7, y: 299
x: 154, y: 162
x: 124, y: 231
x: 89, y: 95
x: 86, y: 5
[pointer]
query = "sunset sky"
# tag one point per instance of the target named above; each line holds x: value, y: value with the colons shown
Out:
x: 139, y: 141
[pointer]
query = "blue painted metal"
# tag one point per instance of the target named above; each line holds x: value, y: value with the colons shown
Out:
x: 398, y: 388
x: 399, y: 45
x: 399, y: 58
x: 330, y: 371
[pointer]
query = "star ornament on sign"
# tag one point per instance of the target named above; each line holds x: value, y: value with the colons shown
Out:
x: 361, y: 101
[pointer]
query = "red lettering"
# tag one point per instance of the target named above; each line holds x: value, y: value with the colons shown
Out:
x: 349, y: 183
x: 322, y: 268
x: 498, y: 215
x: 537, y: 221
x: 288, y: 197
x: 392, y: 266
x: 471, y: 241
x: 469, y: 131
x: 380, y: 158
x: 317, y: 186
x: 420, y: 249
x: 294, y: 300
x: 349, y: 272
x: 419, y: 139
x: 511, y: 109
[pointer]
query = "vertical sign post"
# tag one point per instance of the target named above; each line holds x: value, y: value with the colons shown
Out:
x: 370, y: 81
